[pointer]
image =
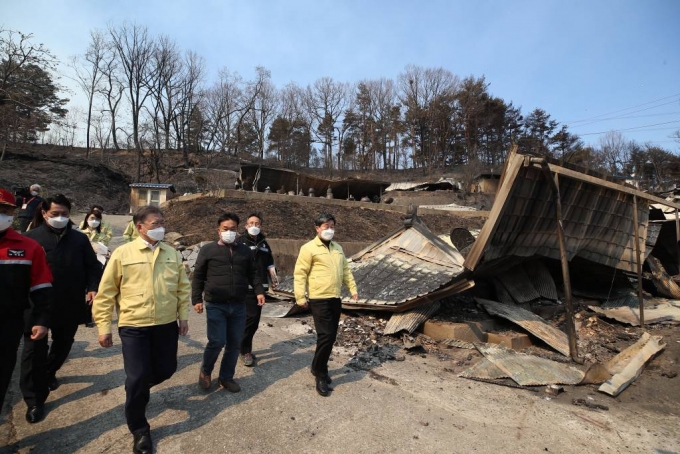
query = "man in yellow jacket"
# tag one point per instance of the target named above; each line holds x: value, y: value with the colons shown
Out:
x: 320, y: 271
x: 146, y: 282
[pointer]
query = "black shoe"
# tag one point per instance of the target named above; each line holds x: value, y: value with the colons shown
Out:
x: 322, y: 386
x: 53, y: 383
x: 35, y: 414
x: 328, y: 379
x: 142, y: 443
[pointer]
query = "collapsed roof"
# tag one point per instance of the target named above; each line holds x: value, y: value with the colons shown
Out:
x: 407, y: 268
x: 258, y: 178
x: 597, y: 217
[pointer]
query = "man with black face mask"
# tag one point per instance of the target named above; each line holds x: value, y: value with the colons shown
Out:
x: 76, y: 274
x: 264, y: 261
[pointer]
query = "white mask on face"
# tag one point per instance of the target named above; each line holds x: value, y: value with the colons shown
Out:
x: 5, y: 222
x: 228, y: 237
x: 254, y: 231
x: 327, y: 234
x: 59, y: 222
x: 34, y: 193
x: 156, y: 234
x: 93, y: 223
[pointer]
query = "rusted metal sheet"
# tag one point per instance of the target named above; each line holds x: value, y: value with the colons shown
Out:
x: 628, y: 365
x: 597, y: 217
x: 411, y: 320
x: 528, y: 370
x: 662, y: 313
x: 530, y: 322
x: 484, y: 370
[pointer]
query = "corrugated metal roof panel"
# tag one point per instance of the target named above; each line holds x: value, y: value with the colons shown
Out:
x: 528, y: 370
x: 596, y: 216
x: 411, y: 320
x: 530, y: 322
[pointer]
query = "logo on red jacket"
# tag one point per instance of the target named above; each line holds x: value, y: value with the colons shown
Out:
x: 16, y: 253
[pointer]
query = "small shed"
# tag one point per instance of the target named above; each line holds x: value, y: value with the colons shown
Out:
x: 153, y: 194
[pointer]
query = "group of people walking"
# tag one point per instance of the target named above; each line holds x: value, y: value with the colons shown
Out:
x: 52, y: 275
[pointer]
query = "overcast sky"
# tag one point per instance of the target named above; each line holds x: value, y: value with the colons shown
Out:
x: 575, y: 59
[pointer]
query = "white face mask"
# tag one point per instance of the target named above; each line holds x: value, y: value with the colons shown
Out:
x: 93, y: 223
x: 327, y: 234
x: 156, y: 234
x: 59, y: 222
x: 34, y: 193
x: 5, y: 222
x: 254, y: 231
x: 228, y: 237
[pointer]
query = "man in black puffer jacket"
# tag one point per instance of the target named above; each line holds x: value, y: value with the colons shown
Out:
x: 76, y: 273
x: 222, y: 273
x: 264, y: 260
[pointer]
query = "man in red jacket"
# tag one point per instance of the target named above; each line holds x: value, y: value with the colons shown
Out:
x: 25, y: 286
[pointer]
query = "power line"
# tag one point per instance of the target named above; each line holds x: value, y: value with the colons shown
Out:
x: 631, y: 129
x: 623, y: 110
x: 621, y: 117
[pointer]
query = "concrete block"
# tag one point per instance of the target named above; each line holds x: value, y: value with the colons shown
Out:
x: 514, y: 341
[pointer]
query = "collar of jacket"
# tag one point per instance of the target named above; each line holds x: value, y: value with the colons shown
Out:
x: 142, y: 244
x: 246, y: 237
x: 318, y: 242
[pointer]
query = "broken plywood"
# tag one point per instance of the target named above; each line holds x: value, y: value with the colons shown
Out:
x: 628, y: 365
x: 530, y: 322
x: 411, y: 320
x: 663, y: 313
x: 528, y: 370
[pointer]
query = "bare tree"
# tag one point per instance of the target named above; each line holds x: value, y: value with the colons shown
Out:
x: 187, y: 105
x: 264, y: 107
x: 326, y: 101
x: 112, y: 90
x: 221, y: 106
x: 135, y: 50
x: 89, y: 75
x: 615, y: 152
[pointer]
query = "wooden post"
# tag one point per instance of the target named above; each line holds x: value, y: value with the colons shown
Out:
x: 568, y: 303
x: 638, y: 261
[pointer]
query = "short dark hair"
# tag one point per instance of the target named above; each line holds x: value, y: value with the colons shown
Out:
x: 255, y: 215
x: 323, y: 218
x: 97, y: 207
x: 228, y: 217
x: 46, y: 204
x: 144, y: 212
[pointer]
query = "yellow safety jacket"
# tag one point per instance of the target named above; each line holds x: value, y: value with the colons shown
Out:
x: 146, y: 287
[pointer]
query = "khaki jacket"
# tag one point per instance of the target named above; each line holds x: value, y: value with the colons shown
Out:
x: 146, y: 287
x: 320, y: 272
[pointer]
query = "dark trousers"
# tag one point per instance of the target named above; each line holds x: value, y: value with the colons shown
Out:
x: 326, y: 314
x: 225, y: 330
x: 253, y: 313
x: 63, y: 336
x: 11, y: 329
x: 149, y: 358
x: 33, y: 380
x: 40, y: 363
